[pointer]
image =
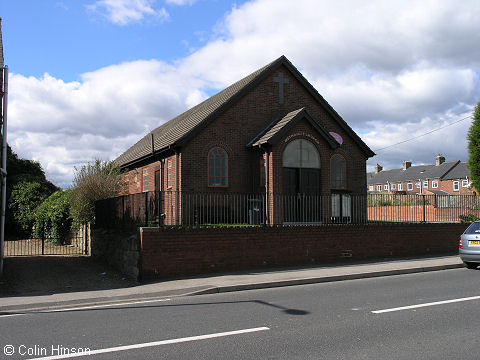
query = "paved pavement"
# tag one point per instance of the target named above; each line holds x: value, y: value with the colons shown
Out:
x: 98, y: 285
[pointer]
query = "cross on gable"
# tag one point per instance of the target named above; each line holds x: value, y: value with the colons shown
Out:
x: 280, y: 80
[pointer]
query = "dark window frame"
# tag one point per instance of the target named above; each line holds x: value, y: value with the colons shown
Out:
x: 212, y: 181
x: 335, y: 183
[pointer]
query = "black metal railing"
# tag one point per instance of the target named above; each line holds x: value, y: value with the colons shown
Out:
x: 76, y: 244
x: 212, y: 209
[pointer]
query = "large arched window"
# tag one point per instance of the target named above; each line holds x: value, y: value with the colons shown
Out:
x: 338, y: 172
x: 217, y: 168
x: 301, y: 154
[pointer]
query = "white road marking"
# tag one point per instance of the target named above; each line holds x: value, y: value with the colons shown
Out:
x: 155, y: 343
x: 85, y: 307
x: 426, y: 304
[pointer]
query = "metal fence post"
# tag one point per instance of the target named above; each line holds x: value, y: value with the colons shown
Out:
x: 423, y: 198
x: 146, y: 208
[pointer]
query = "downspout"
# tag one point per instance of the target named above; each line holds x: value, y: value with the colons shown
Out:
x: 177, y: 182
x: 4, y: 164
x: 161, y: 194
x: 267, y: 185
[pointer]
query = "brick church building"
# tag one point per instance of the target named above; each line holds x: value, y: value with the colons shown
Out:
x: 271, y: 134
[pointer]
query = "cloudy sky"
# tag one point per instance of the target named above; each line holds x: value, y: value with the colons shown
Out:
x: 88, y: 78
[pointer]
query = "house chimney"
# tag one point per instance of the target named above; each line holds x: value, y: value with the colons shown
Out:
x: 378, y: 168
x: 439, y: 159
x: 406, y: 165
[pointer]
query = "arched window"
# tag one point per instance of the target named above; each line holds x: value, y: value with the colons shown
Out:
x: 301, y: 154
x: 338, y: 171
x: 217, y: 167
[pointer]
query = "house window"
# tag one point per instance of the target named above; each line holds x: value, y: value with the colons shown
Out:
x: 169, y: 174
x: 370, y: 188
x: 425, y: 184
x: 217, y: 168
x: 409, y: 186
x: 418, y: 184
x: 379, y: 187
x: 338, y: 172
x: 385, y: 187
x: 394, y: 186
x: 400, y: 187
x: 434, y: 184
x: 464, y: 183
x: 456, y: 186
x: 145, y: 180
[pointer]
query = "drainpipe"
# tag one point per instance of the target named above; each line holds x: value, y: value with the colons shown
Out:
x: 267, y: 186
x: 4, y: 164
x: 177, y: 182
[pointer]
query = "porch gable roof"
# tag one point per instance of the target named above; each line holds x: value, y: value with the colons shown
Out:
x: 279, y: 128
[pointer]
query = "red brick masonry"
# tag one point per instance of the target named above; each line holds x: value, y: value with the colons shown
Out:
x: 177, y: 252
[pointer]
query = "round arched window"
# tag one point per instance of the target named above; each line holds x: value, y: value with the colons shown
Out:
x: 301, y: 153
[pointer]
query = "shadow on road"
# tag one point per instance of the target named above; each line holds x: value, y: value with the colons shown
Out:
x: 45, y: 275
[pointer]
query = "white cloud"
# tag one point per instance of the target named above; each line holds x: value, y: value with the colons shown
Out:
x: 123, y: 12
x: 393, y: 70
x: 65, y: 124
x: 407, y: 96
x: 181, y: 2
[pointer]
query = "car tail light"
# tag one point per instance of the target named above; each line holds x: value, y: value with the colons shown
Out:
x: 460, y: 244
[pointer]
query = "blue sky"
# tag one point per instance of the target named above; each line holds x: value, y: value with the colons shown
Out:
x: 67, y: 38
x: 89, y: 78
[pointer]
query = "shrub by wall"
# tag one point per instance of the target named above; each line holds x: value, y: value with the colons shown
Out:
x: 52, y: 218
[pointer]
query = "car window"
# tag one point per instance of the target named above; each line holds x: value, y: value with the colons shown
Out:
x: 474, y: 228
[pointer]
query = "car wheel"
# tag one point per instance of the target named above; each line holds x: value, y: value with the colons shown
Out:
x: 471, y: 265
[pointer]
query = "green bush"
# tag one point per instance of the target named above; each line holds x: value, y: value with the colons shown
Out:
x: 17, y: 221
x: 94, y: 181
x: 25, y: 198
x: 468, y: 218
x: 53, y: 221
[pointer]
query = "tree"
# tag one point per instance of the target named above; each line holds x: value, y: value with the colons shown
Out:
x: 20, y: 173
x: 474, y: 148
x: 24, y: 199
x: 94, y: 181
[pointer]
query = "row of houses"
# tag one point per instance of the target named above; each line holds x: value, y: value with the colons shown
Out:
x: 441, y: 178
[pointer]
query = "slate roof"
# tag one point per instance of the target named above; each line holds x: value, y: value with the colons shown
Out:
x: 460, y: 171
x: 413, y: 173
x: 275, y: 130
x: 437, y: 192
x: 180, y: 129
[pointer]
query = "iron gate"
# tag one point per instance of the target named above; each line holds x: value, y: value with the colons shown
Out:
x: 77, y: 244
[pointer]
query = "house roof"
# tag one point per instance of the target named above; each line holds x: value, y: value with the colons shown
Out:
x: 413, y: 173
x: 437, y: 192
x: 460, y: 171
x: 182, y: 128
x: 279, y: 127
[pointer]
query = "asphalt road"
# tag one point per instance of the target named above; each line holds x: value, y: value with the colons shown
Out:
x: 356, y: 319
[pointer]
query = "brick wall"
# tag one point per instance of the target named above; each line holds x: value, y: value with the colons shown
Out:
x: 178, y: 252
